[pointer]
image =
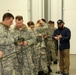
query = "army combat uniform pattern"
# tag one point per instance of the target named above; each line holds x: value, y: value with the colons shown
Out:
x: 41, y: 48
x: 26, y: 55
x: 7, y: 47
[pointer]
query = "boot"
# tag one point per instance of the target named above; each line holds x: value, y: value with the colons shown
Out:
x: 47, y: 73
x: 49, y: 69
x: 41, y: 73
x: 55, y: 62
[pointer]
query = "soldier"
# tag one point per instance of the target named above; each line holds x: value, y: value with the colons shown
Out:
x: 6, y: 44
x: 53, y: 47
x: 47, y: 40
x: 41, y: 30
x: 35, y: 50
x: 24, y: 41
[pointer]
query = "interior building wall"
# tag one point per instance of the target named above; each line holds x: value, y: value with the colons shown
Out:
x: 35, y: 9
x: 56, y: 10
x: 16, y: 7
x: 69, y: 11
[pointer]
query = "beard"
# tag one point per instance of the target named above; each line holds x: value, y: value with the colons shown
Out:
x: 60, y: 28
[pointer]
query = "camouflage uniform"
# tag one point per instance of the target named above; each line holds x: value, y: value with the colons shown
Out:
x: 25, y: 55
x: 7, y: 47
x: 51, y: 45
x: 47, y: 44
x: 41, y: 49
x: 35, y: 51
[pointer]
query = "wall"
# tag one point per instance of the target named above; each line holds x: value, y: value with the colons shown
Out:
x: 29, y: 9
x: 37, y: 10
x: 34, y: 10
x: 56, y: 10
x: 16, y: 7
x: 70, y: 21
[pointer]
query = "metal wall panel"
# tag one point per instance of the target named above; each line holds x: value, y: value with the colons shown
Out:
x: 37, y: 10
x: 16, y: 7
x: 70, y: 21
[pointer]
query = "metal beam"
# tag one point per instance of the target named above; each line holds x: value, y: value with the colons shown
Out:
x: 62, y: 9
x: 46, y: 10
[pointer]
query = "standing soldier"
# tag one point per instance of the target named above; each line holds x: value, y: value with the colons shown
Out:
x: 23, y: 43
x: 52, y: 41
x: 47, y: 40
x: 35, y: 50
x: 6, y: 44
x: 40, y: 29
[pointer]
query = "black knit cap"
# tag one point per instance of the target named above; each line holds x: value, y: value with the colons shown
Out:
x: 59, y: 21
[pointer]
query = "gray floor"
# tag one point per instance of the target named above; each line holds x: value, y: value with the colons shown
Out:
x: 72, y: 66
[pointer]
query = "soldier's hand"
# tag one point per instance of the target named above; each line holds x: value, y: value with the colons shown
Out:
x: 39, y: 34
x: 1, y: 54
x: 25, y: 43
x: 20, y: 43
x: 46, y: 36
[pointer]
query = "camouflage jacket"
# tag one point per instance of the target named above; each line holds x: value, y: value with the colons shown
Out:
x: 6, y: 40
x: 50, y: 32
x: 23, y: 33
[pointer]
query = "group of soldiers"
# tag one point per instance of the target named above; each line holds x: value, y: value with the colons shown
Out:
x: 27, y: 49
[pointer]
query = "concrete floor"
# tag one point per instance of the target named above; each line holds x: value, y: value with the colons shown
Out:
x: 72, y: 66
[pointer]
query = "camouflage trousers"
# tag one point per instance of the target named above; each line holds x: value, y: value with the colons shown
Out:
x: 18, y: 64
x: 53, y: 50
x: 7, y: 66
x: 28, y: 67
x: 24, y: 64
x: 42, y: 65
x: 50, y: 51
x: 39, y: 59
x: 35, y: 58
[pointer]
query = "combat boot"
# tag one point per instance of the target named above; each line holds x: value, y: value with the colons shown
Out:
x: 49, y: 69
x: 41, y: 73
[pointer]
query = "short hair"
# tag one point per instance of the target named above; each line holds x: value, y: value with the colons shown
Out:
x: 50, y: 22
x: 38, y: 21
x: 30, y: 23
x: 19, y: 18
x: 43, y: 20
x: 8, y: 16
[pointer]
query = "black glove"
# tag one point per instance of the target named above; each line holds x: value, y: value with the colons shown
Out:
x: 39, y: 38
x: 21, y: 39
